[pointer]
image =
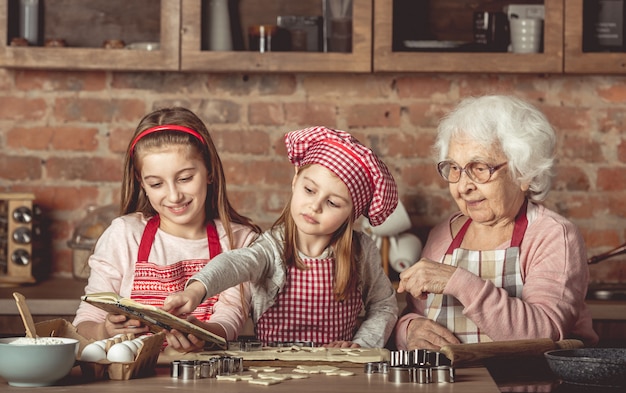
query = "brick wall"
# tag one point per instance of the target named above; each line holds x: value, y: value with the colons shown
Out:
x: 63, y: 135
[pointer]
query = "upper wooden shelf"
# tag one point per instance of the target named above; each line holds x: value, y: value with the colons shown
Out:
x: 550, y: 61
x: 577, y: 61
x: 87, y: 58
x: 193, y: 58
x: 181, y: 47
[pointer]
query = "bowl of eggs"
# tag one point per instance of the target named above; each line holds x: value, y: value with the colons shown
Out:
x: 121, y: 357
x: 36, y: 361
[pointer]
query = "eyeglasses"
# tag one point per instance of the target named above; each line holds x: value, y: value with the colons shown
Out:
x: 479, y: 172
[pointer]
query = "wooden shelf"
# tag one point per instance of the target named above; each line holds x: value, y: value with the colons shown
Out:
x: 166, y: 58
x: 193, y: 58
x: 577, y: 61
x: 550, y: 61
x: 180, y: 37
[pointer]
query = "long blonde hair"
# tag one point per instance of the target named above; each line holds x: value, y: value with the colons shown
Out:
x: 344, y: 243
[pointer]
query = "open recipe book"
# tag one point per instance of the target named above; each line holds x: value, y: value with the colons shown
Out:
x: 152, y: 316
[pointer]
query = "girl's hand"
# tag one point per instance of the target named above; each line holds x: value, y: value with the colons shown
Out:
x: 120, y: 324
x: 341, y: 344
x: 186, y: 301
x: 183, y: 343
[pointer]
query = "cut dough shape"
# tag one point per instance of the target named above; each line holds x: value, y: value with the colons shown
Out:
x: 341, y: 373
x: 263, y: 369
x: 315, y: 369
x: 265, y: 382
x: 233, y: 378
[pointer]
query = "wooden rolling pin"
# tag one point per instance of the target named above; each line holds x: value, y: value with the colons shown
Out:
x: 463, y: 355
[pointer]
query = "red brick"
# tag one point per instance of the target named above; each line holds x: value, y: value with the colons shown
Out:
x: 615, y: 93
x: 19, y: 109
x: 570, y: 178
x: 45, y: 80
x: 339, y: 88
x: 97, y: 169
x: 266, y: 114
x: 579, y: 147
x: 244, y: 85
x: 57, y: 138
x: 306, y: 114
x: 18, y: 168
x: 259, y: 172
x: 119, y: 138
x: 422, y: 86
x: 372, y: 115
x: 98, y: 110
x: 611, y: 179
x: 241, y: 142
x: 219, y: 112
x: 427, y: 115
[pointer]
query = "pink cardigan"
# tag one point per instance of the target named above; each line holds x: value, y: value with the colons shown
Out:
x: 555, y: 273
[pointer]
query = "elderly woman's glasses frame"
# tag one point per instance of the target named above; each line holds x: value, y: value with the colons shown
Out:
x: 477, y: 171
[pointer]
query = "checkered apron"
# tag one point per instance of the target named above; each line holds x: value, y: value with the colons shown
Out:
x: 306, y: 309
x: 501, y: 267
x: 152, y: 283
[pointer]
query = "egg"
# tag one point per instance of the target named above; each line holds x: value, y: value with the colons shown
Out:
x: 120, y: 353
x: 102, y: 344
x: 132, y: 345
x: 93, y: 353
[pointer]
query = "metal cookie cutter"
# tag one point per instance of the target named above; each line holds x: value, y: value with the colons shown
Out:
x: 420, y: 366
x: 197, y: 369
x: 376, y: 367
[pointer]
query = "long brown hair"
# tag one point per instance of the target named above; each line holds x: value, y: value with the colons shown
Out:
x: 344, y: 243
x: 216, y: 204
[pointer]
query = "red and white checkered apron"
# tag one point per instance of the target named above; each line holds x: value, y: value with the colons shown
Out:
x: 152, y: 283
x: 501, y: 267
x: 306, y: 309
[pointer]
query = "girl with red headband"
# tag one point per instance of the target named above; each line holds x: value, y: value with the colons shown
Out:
x: 176, y: 217
x: 312, y: 275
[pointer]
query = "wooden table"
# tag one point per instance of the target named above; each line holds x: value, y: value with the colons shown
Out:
x: 470, y: 380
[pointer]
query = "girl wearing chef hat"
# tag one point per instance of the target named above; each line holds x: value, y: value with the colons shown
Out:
x: 312, y: 274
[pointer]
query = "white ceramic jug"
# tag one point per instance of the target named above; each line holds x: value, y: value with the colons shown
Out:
x: 219, y: 34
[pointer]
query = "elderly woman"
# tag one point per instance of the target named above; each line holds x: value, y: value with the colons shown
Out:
x: 504, y: 267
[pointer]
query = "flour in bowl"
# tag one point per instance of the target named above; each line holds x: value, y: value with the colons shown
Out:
x: 37, y: 341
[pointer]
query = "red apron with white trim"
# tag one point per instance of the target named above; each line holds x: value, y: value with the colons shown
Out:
x: 153, y: 283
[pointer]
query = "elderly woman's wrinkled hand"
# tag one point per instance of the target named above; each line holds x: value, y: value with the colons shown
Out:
x: 425, y: 277
x: 423, y: 333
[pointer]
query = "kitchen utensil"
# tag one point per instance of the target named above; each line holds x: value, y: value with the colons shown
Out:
x: 589, y: 366
x: 619, y: 250
x: 463, y: 355
x: 27, y: 317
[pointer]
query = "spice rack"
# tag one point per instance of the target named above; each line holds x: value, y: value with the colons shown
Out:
x: 17, y: 227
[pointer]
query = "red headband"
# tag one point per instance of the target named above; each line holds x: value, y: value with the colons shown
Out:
x: 165, y: 127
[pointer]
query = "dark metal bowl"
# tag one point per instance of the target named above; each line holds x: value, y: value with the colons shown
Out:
x: 589, y: 366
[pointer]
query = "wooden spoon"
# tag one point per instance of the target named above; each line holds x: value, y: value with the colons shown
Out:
x: 27, y: 317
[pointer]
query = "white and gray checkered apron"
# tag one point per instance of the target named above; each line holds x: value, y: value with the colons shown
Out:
x: 501, y: 267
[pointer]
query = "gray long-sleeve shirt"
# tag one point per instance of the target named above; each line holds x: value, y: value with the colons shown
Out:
x: 261, y: 263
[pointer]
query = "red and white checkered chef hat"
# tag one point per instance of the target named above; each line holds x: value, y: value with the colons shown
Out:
x: 372, y: 188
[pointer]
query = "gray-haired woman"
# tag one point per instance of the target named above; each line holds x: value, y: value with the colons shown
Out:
x: 504, y: 267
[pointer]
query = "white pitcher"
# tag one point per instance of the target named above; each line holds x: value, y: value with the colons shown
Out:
x: 219, y: 36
